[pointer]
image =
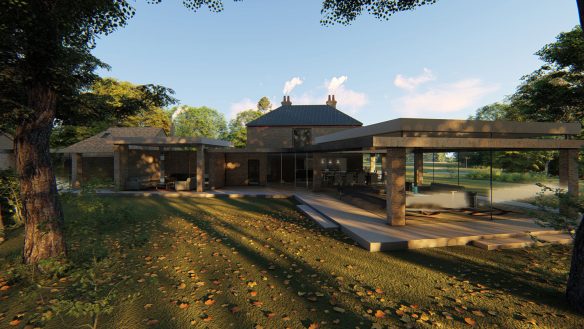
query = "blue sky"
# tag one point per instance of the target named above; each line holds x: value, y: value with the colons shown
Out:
x: 439, y: 61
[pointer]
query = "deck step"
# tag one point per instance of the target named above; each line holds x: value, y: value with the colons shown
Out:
x: 318, y: 218
x: 522, y: 241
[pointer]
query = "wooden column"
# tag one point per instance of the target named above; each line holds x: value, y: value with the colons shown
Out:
x: 76, y: 170
x: 418, y: 168
x: 568, y: 167
x: 395, y: 186
x: 316, y: 172
x: 200, y: 168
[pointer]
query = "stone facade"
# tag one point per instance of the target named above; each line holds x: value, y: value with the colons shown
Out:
x: 395, y: 186
x: 281, y: 137
x: 236, y: 168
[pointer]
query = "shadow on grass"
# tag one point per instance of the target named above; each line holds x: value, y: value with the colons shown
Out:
x: 524, y: 285
x: 262, y: 263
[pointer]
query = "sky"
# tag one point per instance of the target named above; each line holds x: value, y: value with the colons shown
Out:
x: 438, y: 61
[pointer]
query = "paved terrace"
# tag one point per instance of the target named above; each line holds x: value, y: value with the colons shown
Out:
x: 370, y: 230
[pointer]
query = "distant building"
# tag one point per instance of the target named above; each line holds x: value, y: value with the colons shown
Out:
x: 7, y: 160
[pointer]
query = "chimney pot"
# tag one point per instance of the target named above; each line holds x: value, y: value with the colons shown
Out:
x: 286, y: 101
x: 331, y: 101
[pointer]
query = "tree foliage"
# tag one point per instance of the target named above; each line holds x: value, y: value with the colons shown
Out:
x: 346, y: 11
x: 110, y: 102
x: 554, y: 92
x: 238, y: 128
x: 199, y: 122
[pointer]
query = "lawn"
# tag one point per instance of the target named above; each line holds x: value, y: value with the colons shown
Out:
x: 257, y: 263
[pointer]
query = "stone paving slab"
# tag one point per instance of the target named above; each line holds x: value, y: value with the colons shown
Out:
x: 318, y: 218
x: 373, y: 234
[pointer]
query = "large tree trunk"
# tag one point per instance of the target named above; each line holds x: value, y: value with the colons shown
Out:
x: 575, y: 287
x: 38, y: 188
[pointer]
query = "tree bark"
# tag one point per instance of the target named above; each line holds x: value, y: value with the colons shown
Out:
x: 575, y: 286
x: 38, y: 188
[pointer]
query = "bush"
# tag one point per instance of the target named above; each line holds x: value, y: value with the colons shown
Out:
x: 10, y: 203
x: 507, y: 177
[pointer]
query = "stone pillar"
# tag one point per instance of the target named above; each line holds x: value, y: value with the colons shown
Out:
x: 395, y: 186
x: 200, y: 168
x: 316, y: 172
x: 383, y: 165
x: 120, y: 166
x: 372, y: 163
x: 418, y: 168
x: 76, y: 170
x: 568, y: 167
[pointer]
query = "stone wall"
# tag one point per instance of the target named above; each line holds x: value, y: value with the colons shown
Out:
x: 281, y: 137
x: 236, y: 168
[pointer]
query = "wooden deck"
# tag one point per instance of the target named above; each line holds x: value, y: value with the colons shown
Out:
x: 372, y: 232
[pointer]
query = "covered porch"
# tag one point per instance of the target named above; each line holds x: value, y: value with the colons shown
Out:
x: 178, y: 163
x: 393, y: 140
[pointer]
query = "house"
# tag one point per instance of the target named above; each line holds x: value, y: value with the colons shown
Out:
x: 7, y: 160
x: 93, y: 158
x: 311, y: 146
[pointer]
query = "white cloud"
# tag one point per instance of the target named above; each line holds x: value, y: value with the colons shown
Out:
x: 335, y: 82
x: 443, y: 100
x: 240, y: 106
x: 348, y: 100
x: 411, y: 83
x: 291, y: 84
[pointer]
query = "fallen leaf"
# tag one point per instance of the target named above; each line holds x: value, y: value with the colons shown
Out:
x: 470, y: 321
x: 379, y: 314
x: 209, y: 302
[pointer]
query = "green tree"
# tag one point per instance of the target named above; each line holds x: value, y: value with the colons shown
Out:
x: 199, y: 121
x: 127, y: 104
x: 238, y: 128
x: 45, y: 64
x: 491, y: 112
x: 264, y: 105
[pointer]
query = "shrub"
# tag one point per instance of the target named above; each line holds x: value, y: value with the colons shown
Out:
x: 507, y: 177
x: 10, y: 202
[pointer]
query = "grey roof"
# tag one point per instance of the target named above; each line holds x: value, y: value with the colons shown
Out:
x: 304, y: 115
x: 101, y: 143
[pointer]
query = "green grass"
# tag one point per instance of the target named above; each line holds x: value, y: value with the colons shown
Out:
x: 168, y: 252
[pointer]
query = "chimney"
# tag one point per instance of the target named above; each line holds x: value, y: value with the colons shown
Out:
x: 331, y: 101
x: 286, y: 101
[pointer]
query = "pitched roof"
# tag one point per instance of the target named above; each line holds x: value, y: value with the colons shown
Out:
x: 99, y: 142
x: 304, y: 115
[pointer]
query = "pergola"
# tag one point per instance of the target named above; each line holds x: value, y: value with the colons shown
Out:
x: 164, y: 143
x: 395, y: 138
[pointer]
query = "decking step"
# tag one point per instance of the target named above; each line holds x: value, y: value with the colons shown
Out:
x: 521, y: 241
x: 318, y: 218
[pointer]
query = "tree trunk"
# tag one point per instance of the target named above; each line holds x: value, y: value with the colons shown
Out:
x: 575, y: 287
x: 38, y: 189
